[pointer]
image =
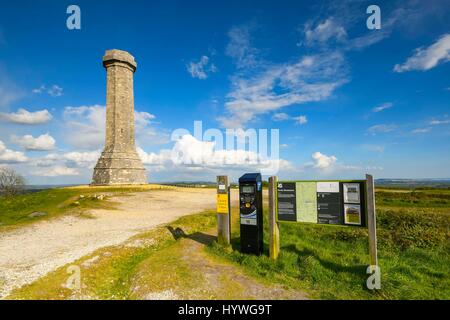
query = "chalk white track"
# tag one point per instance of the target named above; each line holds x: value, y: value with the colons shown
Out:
x: 29, y: 252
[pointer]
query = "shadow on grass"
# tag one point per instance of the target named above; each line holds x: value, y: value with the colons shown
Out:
x: 202, y: 238
x: 356, y: 270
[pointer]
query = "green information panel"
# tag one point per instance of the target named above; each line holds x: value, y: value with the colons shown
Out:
x: 306, y: 200
x: 325, y: 202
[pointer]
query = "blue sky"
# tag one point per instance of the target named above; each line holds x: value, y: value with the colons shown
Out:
x: 346, y: 100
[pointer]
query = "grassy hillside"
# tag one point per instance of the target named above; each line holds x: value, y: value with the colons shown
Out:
x: 330, y: 261
x: 19, y: 209
x: 326, y: 262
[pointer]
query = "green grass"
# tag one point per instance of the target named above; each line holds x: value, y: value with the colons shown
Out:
x: 122, y: 272
x: 327, y: 262
x: 16, y: 210
x: 415, y: 198
x: 330, y: 262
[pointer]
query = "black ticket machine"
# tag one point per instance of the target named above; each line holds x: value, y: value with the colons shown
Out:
x: 251, y: 212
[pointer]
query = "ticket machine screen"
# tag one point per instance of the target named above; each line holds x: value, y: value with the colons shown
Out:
x: 248, y: 189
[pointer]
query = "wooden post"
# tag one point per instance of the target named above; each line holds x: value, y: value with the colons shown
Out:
x: 371, y: 220
x: 274, y: 236
x: 223, y: 211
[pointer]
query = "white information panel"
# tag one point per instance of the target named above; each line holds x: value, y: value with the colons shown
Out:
x: 351, y: 193
x: 332, y: 187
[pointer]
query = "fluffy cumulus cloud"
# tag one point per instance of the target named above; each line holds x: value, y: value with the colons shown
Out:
x: 23, y: 116
x: 85, y: 127
x: 44, y: 142
x: 328, y: 165
x: 65, y: 164
x: 202, y: 68
x: 427, y: 58
x: 10, y: 156
x: 72, y: 159
x: 142, y: 119
x: 322, y: 161
x: 190, y: 153
x: 56, y: 171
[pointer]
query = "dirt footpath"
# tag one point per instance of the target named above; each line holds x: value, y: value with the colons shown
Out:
x: 30, y: 252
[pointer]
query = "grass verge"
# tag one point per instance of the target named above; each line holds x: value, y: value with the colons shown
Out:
x: 49, y: 203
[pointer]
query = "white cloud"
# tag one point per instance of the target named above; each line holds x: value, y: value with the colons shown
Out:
x: 239, y: 47
x: 322, y: 161
x: 324, y: 32
x: 383, y: 106
x: 326, y: 165
x: 82, y: 159
x: 437, y: 122
x: 202, y: 68
x: 84, y: 127
x: 142, y: 119
x: 78, y: 159
x: 56, y: 172
x: 335, y: 30
x: 421, y: 130
x: 10, y: 156
x: 39, y: 90
x: 311, y: 78
x: 53, y: 91
x: 427, y: 58
x: 284, y: 117
x: 23, y: 116
x: 44, y: 142
x: 280, y: 116
x: 188, y: 153
x: 301, y: 120
x: 381, y: 128
x: 152, y: 158
x: 374, y: 168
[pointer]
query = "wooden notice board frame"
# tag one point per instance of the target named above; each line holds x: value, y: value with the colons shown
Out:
x: 369, y: 213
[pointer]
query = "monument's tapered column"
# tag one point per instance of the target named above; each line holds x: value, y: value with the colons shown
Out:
x: 119, y: 162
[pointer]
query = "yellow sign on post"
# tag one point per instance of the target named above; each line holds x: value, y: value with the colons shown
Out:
x: 222, y: 203
x: 223, y: 211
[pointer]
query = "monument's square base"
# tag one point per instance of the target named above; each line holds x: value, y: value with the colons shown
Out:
x: 119, y: 169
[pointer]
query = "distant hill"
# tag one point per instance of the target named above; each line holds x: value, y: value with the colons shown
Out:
x: 413, y: 183
x: 394, y: 183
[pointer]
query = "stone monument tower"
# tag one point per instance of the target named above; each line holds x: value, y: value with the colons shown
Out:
x: 119, y: 162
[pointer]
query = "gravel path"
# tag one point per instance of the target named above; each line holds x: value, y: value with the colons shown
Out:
x: 30, y: 252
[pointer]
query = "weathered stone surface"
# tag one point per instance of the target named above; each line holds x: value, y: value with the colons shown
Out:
x: 119, y: 162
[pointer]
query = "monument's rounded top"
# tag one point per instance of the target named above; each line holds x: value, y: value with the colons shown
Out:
x: 115, y: 55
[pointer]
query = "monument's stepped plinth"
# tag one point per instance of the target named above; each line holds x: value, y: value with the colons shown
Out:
x: 119, y: 162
